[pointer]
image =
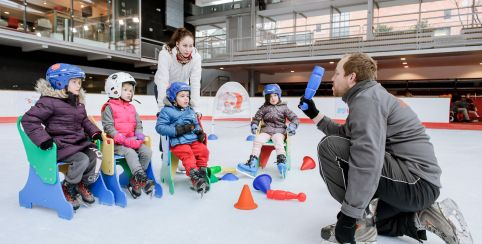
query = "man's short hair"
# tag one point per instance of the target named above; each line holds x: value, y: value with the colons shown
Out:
x: 362, y: 65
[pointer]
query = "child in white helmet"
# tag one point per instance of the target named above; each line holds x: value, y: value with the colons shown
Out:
x: 122, y: 123
x: 274, y: 114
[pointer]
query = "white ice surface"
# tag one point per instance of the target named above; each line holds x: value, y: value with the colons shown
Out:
x: 185, y: 218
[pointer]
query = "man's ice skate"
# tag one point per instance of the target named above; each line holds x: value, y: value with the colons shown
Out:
x: 281, y: 162
x: 250, y: 168
x: 365, y: 233
x: 446, y: 221
x: 199, y: 183
x: 70, y: 194
x: 85, y: 193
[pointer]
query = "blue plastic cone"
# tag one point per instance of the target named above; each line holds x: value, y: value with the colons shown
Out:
x: 229, y: 177
x: 262, y: 183
x: 212, y: 137
x: 250, y: 138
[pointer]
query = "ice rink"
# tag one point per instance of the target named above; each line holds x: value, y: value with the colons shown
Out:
x: 185, y: 218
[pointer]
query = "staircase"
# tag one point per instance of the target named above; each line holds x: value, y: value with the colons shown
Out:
x: 212, y: 87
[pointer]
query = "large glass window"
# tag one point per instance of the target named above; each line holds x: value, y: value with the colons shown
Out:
x: 341, y: 24
x: 101, y: 23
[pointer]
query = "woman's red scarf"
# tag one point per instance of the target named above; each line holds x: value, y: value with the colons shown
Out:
x: 181, y: 59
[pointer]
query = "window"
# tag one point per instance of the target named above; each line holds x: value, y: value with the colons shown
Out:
x: 447, y: 14
x: 341, y: 24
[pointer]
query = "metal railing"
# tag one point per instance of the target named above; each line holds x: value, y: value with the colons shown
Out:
x: 396, y: 32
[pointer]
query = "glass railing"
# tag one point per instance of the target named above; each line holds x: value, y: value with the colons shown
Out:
x: 105, y: 24
x: 428, y: 29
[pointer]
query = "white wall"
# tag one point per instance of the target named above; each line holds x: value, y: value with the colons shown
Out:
x: 428, y: 109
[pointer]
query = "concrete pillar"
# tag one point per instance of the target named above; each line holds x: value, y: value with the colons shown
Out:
x: 370, y: 20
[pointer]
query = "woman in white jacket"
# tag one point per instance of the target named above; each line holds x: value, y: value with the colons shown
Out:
x: 179, y: 61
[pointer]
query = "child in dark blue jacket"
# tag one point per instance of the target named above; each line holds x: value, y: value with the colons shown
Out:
x: 179, y: 122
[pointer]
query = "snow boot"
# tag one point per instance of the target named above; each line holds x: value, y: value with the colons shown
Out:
x: 85, y: 193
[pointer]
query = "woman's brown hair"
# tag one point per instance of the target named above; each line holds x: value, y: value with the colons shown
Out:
x: 178, y: 35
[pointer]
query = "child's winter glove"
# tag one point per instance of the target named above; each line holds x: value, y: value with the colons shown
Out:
x: 184, y: 129
x: 97, y: 136
x: 291, y: 129
x: 132, y: 143
x: 119, y: 138
x: 201, y: 136
x: 46, y: 145
x: 254, y: 128
x: 140, y: 136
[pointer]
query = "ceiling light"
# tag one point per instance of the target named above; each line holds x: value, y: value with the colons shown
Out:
x: 121, y: 22
x: 404, y: 63
x: 406, y: 66
x: 45, y: 2
x: 221, y: 68
x: 331, y: 62
x: 6, y: 12
x: 135, y: 20
x: 403, y: 59
x: 82, y: 6
x: 292, y: 71
x: 480, y: 63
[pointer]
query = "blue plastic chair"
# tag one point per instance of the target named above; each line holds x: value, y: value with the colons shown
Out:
x: 43, y: 187
x: 115, y: 182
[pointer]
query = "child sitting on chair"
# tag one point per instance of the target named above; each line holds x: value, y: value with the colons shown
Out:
x: 179, y: 122
x: 122, y: 123
x: 273, y: 113
x: 59, y: 116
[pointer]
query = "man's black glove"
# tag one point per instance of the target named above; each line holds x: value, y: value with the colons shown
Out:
x: 311, y: 111
x: 201, y: 136
x: 47, y: 144
x: 183, y: 129
x: 97, y: 136
x: 345, y: 229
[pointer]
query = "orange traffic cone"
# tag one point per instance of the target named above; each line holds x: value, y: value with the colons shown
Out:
x: 308, y: 163
x: 245, y: 201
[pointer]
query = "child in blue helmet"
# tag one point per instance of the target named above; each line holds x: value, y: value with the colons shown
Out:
x: 59, y: 116
x: 178, y: 121
x: 274, y: 114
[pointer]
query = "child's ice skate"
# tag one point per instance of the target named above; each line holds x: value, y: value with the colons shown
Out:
x: 139, y: 182
x: 281, y: 162
x: 250, y: 168
x: 70, y: 194
x: 199, y: 182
